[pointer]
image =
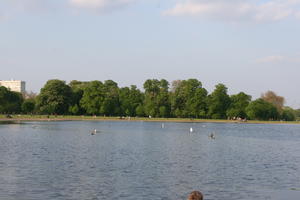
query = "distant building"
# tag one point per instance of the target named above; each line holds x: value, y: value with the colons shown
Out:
x: 16, y: 86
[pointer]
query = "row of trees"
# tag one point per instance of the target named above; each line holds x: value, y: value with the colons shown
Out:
x: 185, y: 98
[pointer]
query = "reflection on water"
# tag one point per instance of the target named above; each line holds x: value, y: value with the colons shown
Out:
x: 145, y: 160
x: 8, y: 122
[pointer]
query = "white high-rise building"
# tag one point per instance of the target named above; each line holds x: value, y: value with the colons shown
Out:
x: 16, y: 86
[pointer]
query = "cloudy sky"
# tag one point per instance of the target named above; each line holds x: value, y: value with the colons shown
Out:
x: 249, y: 45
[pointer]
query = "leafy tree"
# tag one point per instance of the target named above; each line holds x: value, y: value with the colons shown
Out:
x: 197, y: 103
x: 218, y: 102
x: 273, y: 98
x: 10, y: 102
x: 239, y: 103
x: 140, y: 111
x: 130, y: 99
x: 75, y: 109
x: 297, y: 113
x: 163, y: 99
x: 288, y: 114
x: 151, y: 92
x: 189, y: 99
x: 54, y: 98
x: 3, y: 99
x: 178, y: 98
x: 93, y: 97
x: 126, y: 108
x: 28, y: 106
x: 262, y: 110
x: 110, y: 104
x: 77, y: 88
x: 156, y: 101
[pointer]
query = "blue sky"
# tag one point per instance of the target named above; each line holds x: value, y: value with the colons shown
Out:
x: 249, y: 45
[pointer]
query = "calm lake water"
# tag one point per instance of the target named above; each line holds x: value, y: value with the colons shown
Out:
x: 142, y: 161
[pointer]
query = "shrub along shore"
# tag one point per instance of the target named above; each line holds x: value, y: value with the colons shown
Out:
x: 18, y: 118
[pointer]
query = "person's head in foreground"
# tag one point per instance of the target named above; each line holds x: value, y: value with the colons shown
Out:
x: 195, y: 195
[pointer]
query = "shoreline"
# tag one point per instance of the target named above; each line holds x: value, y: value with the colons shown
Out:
x: 144, y: 119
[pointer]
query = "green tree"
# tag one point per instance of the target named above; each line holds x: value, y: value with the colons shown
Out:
x: 197, y: 104
x: 156, y: 97
x: 77, y: 88
x: 163, y: 99
x: 188, y: 99
x: 288, y: 114
x: 10, y: 102
x: 140, y: 111
x: 273, y: 98
x: 262, y: 110
x: 75, y: 109
x: 151, y: 92
x: 297, y: 113
x: 218, y: 102
x: 28, y: 106
x: 110, y: 105
x: 93, y: 97
x: 130, y: 99
x: 239, y: 103
x: 54, y: 98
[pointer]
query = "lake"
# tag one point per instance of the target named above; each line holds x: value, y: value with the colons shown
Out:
x: 143, y: 161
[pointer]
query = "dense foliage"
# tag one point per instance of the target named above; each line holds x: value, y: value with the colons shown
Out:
x: 238, y: 105
x: 55, y: 97
x: 262, y: 110
x: 10, y: 102
x: 184, y: 98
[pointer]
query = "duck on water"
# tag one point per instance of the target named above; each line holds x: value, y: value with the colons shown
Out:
x: 94, y: 132
x: 212, y: 136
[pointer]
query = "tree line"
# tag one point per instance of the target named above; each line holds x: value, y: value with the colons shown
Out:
x: 181, y: 99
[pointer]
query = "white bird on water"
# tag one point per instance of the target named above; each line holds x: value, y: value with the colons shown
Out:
x: 191, y: 130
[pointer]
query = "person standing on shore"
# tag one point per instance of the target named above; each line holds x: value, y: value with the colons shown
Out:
x: 195, y: 195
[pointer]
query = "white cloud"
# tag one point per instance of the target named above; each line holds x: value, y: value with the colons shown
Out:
x: 17, y: 6
x: 100, y: 4
x: 237, y: 10
x: 271, y: 59
x: 275, y: 59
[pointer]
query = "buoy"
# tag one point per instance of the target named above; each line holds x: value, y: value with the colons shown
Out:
x: 191, y: 130
x: 162, y: 125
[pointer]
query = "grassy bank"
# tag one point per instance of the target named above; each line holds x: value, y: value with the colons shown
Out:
x: 101, y: 118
